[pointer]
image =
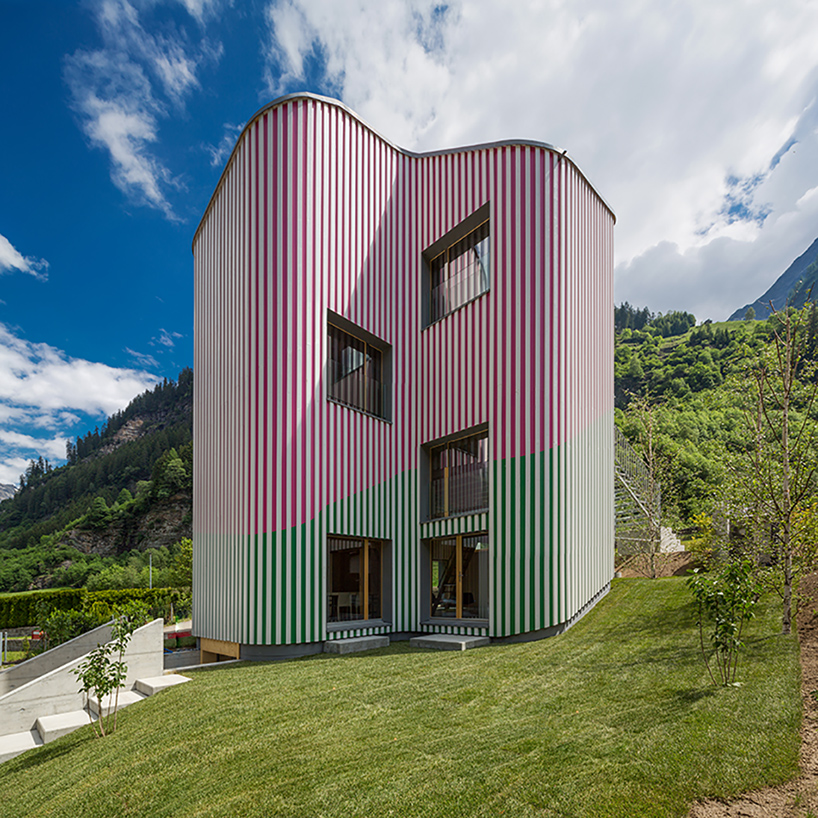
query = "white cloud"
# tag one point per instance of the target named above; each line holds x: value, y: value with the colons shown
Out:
x: 385, y: 59
x: 142, y: 358
x: 219, y: 153
x: 124, y: 89
x: 166, y: 339
x: 11, y: 468
x: 13, y: 259
x: 202, y: 9
x: 42, y: 387
x: 51, y: 448
x: 677, y: 113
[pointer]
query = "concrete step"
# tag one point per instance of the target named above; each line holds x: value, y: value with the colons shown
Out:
x: 15, y: 743
x: 355, y: 644
x: 52, y: 727
x: 126, y: 697
x: 156, y: 683
x: 448, y: 641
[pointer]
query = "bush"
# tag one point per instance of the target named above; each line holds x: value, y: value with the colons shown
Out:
x: 20, y: 610
x: 33, y: 607
x: 62, y: 626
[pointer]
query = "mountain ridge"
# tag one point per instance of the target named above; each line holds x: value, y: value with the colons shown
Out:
x: 793, y: 286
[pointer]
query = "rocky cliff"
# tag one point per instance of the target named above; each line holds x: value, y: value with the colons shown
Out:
x: 162, y: 524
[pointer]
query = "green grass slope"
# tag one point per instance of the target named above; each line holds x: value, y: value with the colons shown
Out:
x: 614, y: 718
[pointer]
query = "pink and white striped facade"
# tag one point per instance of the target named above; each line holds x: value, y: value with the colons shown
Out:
x: 315, y: 212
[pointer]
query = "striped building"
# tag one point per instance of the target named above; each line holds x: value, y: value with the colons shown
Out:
x: 404, y: 389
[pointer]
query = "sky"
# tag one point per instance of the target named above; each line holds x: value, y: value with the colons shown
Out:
x: 696, y: 121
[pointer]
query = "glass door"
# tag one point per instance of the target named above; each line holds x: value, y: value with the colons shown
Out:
x: 459, y: 576
x: 355, y: 579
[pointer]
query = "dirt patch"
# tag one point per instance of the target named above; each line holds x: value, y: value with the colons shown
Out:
x: 677, y: 564
x: 797, y: 798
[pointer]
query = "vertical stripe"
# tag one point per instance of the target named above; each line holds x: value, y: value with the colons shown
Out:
x: 315, y: 212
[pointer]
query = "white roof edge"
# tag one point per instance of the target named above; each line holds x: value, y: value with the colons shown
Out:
x: 501, y: 143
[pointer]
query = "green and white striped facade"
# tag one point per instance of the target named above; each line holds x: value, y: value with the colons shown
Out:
x: 316, y: 215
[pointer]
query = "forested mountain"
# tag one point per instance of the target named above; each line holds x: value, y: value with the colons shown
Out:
x: 126, y: 486
x: 689, y: 393
x: 794, y: 287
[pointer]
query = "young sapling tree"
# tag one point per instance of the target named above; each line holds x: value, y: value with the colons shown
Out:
x: 104, y: 670
x: 725, y: 599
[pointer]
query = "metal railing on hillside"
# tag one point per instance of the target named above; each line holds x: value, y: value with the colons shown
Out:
x: 638, y: 498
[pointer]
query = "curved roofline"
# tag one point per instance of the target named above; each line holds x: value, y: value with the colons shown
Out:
x: 501, y: 143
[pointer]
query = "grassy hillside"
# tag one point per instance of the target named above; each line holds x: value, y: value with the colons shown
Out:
x: 614, y: 718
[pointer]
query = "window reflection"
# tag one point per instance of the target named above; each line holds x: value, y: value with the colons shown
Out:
x: 461, y: 272
x: 459, y: 576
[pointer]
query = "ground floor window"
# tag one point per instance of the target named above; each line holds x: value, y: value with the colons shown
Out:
x: 459, y: 576
x: 355, y: 579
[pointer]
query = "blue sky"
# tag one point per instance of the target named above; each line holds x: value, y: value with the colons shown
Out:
x: 696, y: 121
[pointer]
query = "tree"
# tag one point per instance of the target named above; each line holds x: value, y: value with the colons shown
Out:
x: 776, y: 484
x: 99, y: 515
x: 169, y: 475
x: 635, y: 371
x: 104, y: 670
x: 642, y: 489
x: 750, y: 315
x: 182, y: 570
x: 726, y: 599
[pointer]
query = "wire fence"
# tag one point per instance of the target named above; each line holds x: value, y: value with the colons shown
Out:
x: 638, y: 499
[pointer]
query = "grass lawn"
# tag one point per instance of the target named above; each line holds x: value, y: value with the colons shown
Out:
x: 614, y: 718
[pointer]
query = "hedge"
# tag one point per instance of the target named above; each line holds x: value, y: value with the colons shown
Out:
x: 27, y: 608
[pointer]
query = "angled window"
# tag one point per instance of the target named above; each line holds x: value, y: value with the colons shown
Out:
x: 358, y: 368
x: 355, y: 580
x: 459, y: 479
x: 457, y: 266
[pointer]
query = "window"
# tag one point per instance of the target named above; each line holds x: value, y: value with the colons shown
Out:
x: 459, y: 576
x: 459, y: 476
x: 458, y: 265
x: 358, y: 368
x: 355, y: 579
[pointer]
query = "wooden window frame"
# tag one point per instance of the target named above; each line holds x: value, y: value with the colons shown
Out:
x: 364, y: 544
x: 458, y: 538
x: 480, y: 434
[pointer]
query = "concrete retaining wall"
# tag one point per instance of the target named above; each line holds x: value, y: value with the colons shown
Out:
x: 33, y: 668
x: 57, y: 691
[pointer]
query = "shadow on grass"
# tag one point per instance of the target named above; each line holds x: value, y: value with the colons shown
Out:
x: 681, y: 616
x: 48, y: 752
x: 687, y: 697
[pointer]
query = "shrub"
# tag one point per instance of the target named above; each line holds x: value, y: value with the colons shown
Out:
x: 33, y: 607
x: 726, y: 598
x: 62, y: 626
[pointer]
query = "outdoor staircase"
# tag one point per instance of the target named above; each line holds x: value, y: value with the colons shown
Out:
x: 50, y: 728
x: 40, y: 699
x: 638, y: 500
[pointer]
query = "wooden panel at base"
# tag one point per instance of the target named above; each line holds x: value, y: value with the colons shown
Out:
x: 212, y: 649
